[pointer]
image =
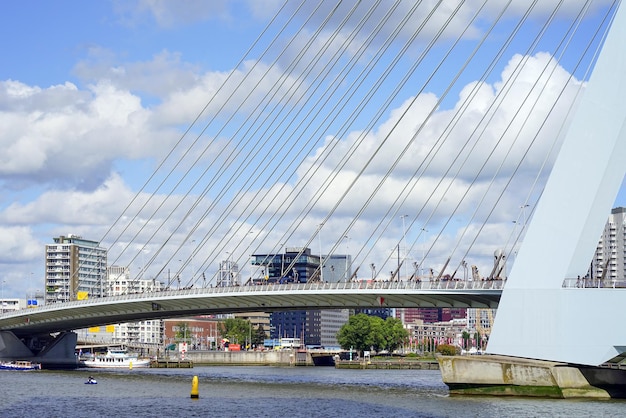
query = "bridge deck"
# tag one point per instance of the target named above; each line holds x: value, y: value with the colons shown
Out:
x: 267, y: 298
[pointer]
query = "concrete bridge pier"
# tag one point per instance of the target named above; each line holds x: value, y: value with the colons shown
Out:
x: 51, y: 351
x: 505, y: 375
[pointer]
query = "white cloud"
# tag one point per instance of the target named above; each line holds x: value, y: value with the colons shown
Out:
x: 18, y: 244
x: 61, y: 135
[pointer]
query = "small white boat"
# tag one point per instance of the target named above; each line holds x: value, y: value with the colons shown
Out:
x: 118, y: 358
x: 91, y: 381
x: 20, y: 365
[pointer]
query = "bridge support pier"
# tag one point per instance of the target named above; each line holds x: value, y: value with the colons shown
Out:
x: 51, y: 351
x: 504, y: 375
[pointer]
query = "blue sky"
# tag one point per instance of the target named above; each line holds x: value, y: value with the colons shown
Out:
x: 94, y: 94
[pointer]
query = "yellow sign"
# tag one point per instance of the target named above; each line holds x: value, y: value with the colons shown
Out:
x: 82, y: 295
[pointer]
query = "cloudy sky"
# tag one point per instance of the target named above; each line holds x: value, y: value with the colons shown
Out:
x: 94, y: 96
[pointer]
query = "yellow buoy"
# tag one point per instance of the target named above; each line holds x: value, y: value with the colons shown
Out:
x: 194, y: 388
x: 130, y: 365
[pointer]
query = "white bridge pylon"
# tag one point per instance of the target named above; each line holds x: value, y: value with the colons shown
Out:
x: 538, y: 318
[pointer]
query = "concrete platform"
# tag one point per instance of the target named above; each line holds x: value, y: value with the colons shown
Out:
x: 513, y: 376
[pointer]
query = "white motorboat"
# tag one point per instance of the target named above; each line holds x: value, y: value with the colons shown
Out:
x: 117, y: 358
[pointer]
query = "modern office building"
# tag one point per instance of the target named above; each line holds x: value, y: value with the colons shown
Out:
x: 313, y: 327
x: 336, y: 268
x: 75, y: 268
x: 275, y: 268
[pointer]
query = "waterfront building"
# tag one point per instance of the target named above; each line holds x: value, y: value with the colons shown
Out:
x: 312, y: 327
x: 200, y: 332
x: 12, y: 304
x: 429, y: 335
x: 120, y: 282
x: 256, y: 319
x: 75, y: 269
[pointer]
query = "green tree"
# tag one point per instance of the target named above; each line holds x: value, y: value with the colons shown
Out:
x: 394, y: 334
x: 259, y: 336
x: 363, y: 332
x: 448, y: 350
x: 355, y: 334
x: 236, y: 330
x: 183, y: 334
x: 377, y: 333
x: 466, y: 337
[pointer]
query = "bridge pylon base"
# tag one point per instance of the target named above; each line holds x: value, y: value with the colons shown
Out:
x: 503, y: 375
x: 51, y: 351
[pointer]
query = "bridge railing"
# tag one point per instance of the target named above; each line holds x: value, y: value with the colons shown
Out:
x: 425, y: 285
x: 369, y: 284
x: 587, y: 283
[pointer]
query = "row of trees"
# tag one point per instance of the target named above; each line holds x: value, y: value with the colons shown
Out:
x: 363, y: 332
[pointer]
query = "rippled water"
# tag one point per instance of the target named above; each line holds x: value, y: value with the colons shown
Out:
x: 266, y: 392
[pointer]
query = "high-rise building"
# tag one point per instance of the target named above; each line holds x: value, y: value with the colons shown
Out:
x: 75, y: 269
x: 609, y: 261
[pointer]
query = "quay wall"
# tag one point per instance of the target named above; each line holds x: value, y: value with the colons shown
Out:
x: 294, y: 358
x: 250, y: 358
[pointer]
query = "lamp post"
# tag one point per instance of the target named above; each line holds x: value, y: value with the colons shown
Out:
x: 373, y: 266
x: 347, y: 254
x: 404, y: 244
x: 193, y: 272
x: 523, y: 207
x: 464, y: 264
x: 424, y: 231
x: 319, y: 237
x: 282, y: 261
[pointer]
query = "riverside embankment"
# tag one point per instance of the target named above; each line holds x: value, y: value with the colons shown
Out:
x: 299, y: 358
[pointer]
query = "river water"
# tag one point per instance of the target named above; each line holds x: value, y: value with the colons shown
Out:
x: 266, y: 392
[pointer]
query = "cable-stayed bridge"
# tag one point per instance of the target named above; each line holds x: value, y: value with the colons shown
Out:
x: 313, y: 155
x: 276, y: 297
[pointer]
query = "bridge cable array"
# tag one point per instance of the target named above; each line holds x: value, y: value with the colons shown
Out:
x: 329, y: 122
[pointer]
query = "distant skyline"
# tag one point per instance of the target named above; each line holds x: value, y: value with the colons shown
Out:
x: 94, y: 94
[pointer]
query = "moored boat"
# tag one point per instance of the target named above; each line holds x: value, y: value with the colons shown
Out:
x: 118, y: 358
x: 20, y: 365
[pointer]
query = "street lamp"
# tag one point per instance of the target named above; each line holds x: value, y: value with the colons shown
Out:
x: 404, y: 243
x: 193, y: 272
x: 424, y: 230
x: 229, y: 274
x: 347, y: 251
x: 319, y: 237
x: 282, y: 261
x: 523, y: 207
x: 373, y: 266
